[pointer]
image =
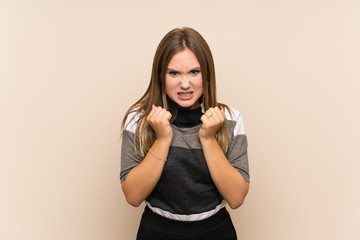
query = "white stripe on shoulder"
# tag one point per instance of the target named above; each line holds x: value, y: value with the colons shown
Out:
x: 131, y: 121
x: 187, y: 218
x: 235, y: 116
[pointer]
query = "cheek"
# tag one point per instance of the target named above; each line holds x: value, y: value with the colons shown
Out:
x: 168, y: 86
x: 198, y: 84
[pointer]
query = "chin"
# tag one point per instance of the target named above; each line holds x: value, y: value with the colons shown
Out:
x: 188, y: 105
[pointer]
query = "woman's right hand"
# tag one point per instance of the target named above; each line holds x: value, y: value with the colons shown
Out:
x: 142, y: 179
x: 159, y: 120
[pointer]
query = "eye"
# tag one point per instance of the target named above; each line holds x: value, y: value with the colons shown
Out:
x: 194, y: 72
x: 174, y: 73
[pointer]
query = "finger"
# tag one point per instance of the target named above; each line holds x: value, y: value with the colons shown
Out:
x: 205, y: 120
x: 214, y: 115
x: 168, y: 115
x: 208, y: 113
x: 222, y: 109
x: 158, y: 110
x: 153, y: 112
x: 159, y: 114
x: 219, y: 113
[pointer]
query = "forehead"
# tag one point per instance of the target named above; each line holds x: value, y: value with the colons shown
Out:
x: 184, y: 59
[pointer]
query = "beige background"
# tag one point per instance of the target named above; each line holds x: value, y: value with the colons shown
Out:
x: 70, y: 69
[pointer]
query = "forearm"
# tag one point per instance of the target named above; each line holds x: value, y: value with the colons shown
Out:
x: 142, y: 179
x: 229, y: 182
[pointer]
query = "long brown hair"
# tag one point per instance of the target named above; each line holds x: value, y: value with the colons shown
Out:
x: 174, y: 41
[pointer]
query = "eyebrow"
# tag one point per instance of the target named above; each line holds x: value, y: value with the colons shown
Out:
x: 194, y: 68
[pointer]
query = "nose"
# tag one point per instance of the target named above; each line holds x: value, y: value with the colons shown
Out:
x: 185, y: 82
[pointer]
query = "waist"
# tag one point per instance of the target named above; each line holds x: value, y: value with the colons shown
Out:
x: 188, y: 217
x: 191, y: 226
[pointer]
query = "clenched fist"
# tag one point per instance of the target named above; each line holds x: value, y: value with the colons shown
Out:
x: 159, y: 120
x: 212, y: 120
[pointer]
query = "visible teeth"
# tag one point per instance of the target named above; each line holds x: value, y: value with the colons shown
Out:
x: 185, y: 94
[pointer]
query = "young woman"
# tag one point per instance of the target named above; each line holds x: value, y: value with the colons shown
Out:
x: 183, y: 153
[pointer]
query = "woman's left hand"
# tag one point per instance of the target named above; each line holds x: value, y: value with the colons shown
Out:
x: 212, y: 119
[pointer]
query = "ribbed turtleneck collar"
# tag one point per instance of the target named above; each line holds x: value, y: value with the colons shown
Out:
x: 188, y: 117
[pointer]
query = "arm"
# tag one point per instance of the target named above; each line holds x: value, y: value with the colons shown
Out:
x: 143, y: 178
x: 229, y: 182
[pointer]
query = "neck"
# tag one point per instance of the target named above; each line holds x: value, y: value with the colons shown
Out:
x: 188, y: 117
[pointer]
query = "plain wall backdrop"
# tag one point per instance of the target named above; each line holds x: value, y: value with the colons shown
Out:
x: 70, y: 69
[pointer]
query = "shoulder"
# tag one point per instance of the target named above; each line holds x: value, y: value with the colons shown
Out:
x: 234, y: 116
x: 131, y: 120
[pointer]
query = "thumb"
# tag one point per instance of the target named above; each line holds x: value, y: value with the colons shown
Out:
x: 169, y: 116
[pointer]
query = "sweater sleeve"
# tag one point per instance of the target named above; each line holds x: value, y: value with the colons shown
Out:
x: 237, y: 149
x: 129, y: 159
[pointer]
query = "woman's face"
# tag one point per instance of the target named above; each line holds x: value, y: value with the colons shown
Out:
x: 183, y: 81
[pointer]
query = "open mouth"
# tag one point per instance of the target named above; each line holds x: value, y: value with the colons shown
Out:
x: 185, y: 93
